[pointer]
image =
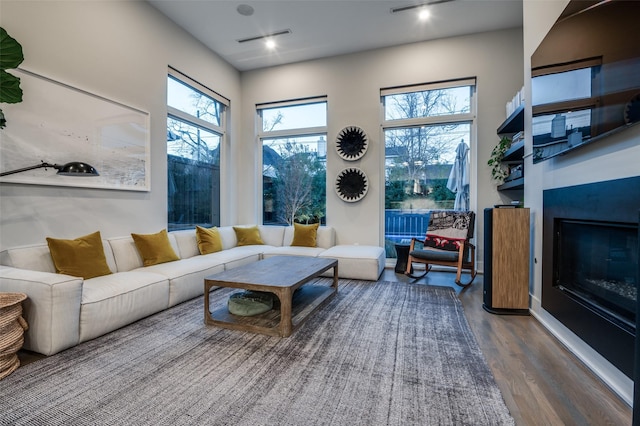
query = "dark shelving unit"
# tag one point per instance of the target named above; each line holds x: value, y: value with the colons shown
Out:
x: 512, y: 125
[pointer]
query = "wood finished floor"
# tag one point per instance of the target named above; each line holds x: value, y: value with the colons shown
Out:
x: 541, y: 381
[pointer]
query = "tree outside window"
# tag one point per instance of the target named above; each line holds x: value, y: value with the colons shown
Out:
x: 294, y: 163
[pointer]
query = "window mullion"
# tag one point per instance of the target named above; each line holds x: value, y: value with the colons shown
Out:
x: 310, y: 131
x: 426, y: 121
x: 195, y: 121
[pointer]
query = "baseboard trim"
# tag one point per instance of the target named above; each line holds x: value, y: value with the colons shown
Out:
x: 617, y: 381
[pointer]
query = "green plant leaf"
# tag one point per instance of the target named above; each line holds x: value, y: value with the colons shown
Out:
x: 10, y: 91
x: 10, y: 51
x: 498, y: 171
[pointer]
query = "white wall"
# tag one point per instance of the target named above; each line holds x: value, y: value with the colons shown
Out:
x: 352, y: 84
x: 119, y: 50
x: 613, y: 158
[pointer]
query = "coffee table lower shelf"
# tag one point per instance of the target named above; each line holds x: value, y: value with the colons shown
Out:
x: 306, y: 300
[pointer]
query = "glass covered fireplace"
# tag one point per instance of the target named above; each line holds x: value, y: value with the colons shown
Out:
x: 590, y: 264
x: 596, y: 264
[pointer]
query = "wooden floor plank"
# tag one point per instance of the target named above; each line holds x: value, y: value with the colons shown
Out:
x: 541, y: 381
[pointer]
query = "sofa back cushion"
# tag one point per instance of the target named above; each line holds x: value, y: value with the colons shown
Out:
x: 228, y: 237
x: 37, y: 257
x: 187, y: 243
x: 126, y: 253
x: 272, y: 235
x: 33, y: 257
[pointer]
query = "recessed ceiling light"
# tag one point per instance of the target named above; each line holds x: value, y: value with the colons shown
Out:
x: 424, y: 14
x: 270, y: 44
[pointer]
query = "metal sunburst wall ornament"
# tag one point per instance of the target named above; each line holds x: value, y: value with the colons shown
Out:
x: 352, y: 184
x: 351, y: 143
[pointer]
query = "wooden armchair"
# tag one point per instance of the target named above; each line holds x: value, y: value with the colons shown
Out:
x: 446, y: 243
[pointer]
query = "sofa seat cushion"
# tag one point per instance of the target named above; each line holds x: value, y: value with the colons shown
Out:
x: 294, y: 251
x: 239, y: 253
x: 113, y: 301
x: 356, y: 261
x: 243, y: 255
x: 186, y: 276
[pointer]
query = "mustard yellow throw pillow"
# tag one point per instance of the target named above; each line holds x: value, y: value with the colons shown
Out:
x: 154, y: 248
x: 209, y: 240
x: 248, y: 236
x: 305, y: 235
x: 83, y: 257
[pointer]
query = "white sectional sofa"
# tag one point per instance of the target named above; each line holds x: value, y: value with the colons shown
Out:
x: 63, y: 310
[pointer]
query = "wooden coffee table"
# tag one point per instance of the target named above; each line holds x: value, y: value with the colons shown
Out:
x: 282, y: 276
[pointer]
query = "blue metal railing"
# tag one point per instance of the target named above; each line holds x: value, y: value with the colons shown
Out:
x: 403, y: 225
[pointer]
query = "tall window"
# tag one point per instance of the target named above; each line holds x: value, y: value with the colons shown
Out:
x: 424, y: 127
x: 294, y: 161
x: 195, y: 130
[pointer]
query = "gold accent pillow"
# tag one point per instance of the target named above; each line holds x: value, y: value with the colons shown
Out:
x: 154, y: 248
x: 209, y: 240
x: 305, y: 235
x: 248, y: 236
x: 83, y: 257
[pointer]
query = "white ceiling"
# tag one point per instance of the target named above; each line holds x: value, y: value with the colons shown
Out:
x: 322, y: 28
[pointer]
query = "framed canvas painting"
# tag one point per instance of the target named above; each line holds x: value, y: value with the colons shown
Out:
x: 57, y: 124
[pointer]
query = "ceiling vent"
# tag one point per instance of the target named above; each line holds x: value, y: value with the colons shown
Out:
x: 416, y: 6
x: 262, y: 37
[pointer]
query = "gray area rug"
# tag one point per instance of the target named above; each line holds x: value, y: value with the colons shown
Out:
x: 377, y: 354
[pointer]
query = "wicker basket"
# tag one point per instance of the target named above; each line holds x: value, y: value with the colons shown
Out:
x: 12, y: 328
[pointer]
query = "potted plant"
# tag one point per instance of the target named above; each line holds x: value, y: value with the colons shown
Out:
x: 498, y: 170
x: 10, y: 57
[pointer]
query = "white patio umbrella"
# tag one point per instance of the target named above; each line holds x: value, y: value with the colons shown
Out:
x: 459, y: 177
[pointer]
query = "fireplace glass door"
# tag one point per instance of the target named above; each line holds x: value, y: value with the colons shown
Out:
x: 596, y: 264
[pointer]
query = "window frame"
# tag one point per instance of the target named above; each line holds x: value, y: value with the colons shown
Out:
x: 191, y: 119
x: 188, y: 119
x: 461, y: 118
x: 262, y: 135
x: 437, y: 119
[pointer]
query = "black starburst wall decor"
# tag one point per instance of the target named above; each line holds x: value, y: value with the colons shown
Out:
x: 351, y: 143
x: 352, y: 184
